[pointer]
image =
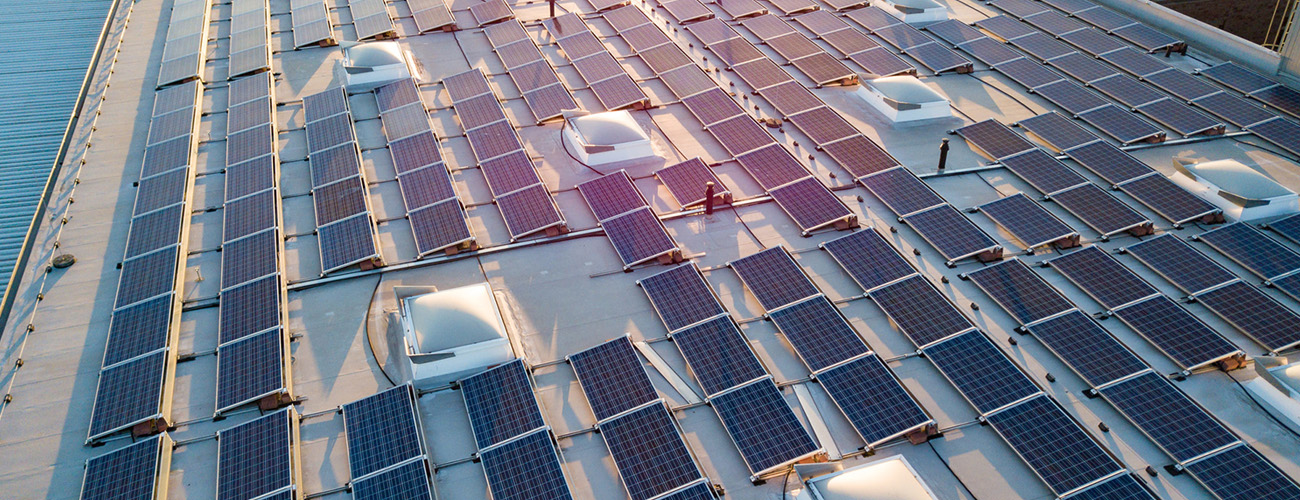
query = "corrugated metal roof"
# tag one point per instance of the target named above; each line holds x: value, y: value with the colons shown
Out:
x: 43, y: 61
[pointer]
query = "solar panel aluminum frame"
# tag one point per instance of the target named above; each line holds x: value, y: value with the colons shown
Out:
x: 1008, y: 308
x: 419, y: 428
x: 295, y: 455
x: 926, y: 426
x: 712, y: 294
x: 986, y: 254
x: 160, y: 420
x: 1190, y: 400
x: 1234, y: 258
x: 1141, y: 228
x: 1225, y: 359
x: 757, y: 475
x: 376, y: 256
x: 667, y: 255
x: 1067, y: 240
x: 677, y: 432
x: 280, y: 395
x: 867, y: 290
x: 162, y: 466
x: 1119, y: 464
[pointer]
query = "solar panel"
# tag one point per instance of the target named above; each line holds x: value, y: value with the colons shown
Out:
x: 491, y: 11
x: 244, y: 116
x: 823, y: 125
x: 549, y: 102
x: 712, y: 31
x: 528, y: 211
x: 735, y: 51
x: 1020, y: 8
x: 763, y: 426
x: 901, y: 36
x: 347, y: 242
x: 612, y: 378
x: 882, y: 61
x: 493, y: 140
x: 812, y: 205
x: 431, y: 15
x: 250, y: 214
x: 938, y: 58
x: 1096, y: 42
x: 146, y: 277
x: 649, y: 452
x: 868, y: 258
x: 824, y: 69
x: 681, y: 297
x: 611, y: 195
x: 954, y: 32
x: 1043, y: 172
x: 249, y: 258
x: 166, y: 156
x: 155, y: 230
x: 509, y: 173
x: 1071, y: 97
x: 329, y: 132
x: 249, y: 144
x: 1027, y: 221
x: 821, y: 22
x: 340, y: 200
x: 251, y: 368
x: 382, y: 430
x: 1060, y: 452
x: 1169, y: 200
x: 920, y: 311
x: 1181, y: 118
x: 1135, y: 62
x: 687, y: 11
x: 619, y: 92
x: 860, y: 156
x: 995, y: 139
x: 409, y: 480
x: 128, y: 472
x: 700, y: 490
x: 818, y: 333
x: 582, y: 44
x: 1282, y: 132
x: 1231, y: 109
x: 1280, y: 97
x: 129, y: 393
x: 981, y: 371
x: 171, y: 126
x: 1180, y: 335
x: 712, y: 106
x: 773, y: 277
x: 505, y: 33
x: 1099, y: 210
x: 1028, y: 73
x: 790, y: 98
x: 1257, y: 315
x: 686, y: 182
x: 1249, y: 247
x: 1087, y: 348
x: 644, y: 37
x: 1126, y: 89
x: 993, y: 53
x: 1057, y: 130
x: 1146, y: 37
x: 950, y: 232
x: 638, y: 236
x: 526, y: 468
x: 475, y: 112
x: 461, y: 86
x: 324, y: 104
x: 139, y: 329
x: 1287, y: 227
x: 1005, y: 27
x: 425, y: 186
x: 902, y: 191
x: 772, y: 166
x: 1178, y: 262
x: 1103, y: 18
x: 1055, y: 23
x: 1168, y: 416
x: 439, y: 226
x: 718, y: 355
x: 1122, y: 125
x: 688, y: 80
x: 1121, y: 487
x: 742, y: 8
x: 1041, y: 46
x: 257, y: 457
x: 1241, y: 473
x: 501, y: 403
x: 875, y: 402
x: 371, y: 19
x: 767, y: 26
x: 1019, y: 291
x: 1102, y: 277
x: 761, y: 73
x: 793, y: 46
x: 251, y: 308
x: 625, y: 18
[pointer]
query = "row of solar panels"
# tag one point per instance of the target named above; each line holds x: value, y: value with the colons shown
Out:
x: 139, y: 358
x: 546, y: 96
x: 1054, y: 445
x: 911, y: 41
x: 796, y: 191
x: 1179, y: 426
x: 371, y: 19
x: 185, y: 51
x: 386, y: 451
x: 799, y: 51
x: 524, y: 201
x: 638, y: 428
x: 253, y: 344
x: 854, y: 44
x: 628, y: 221
x: 1113, y: 23
x: 250, y: 37
x: 603, y: 74
x: 436, y: 214
x: 344, y: 222
x: 431, y: 15
x: 311, y: 23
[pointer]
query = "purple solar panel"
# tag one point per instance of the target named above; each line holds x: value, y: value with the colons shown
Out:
x: 638, y: 236
x: 823, y: 125
x: 509, y: 173
x: 528, y: 211
x: 439, y: 226
x: 740, y: 135
x: 772, y: 166
x: 611, y: 195
x: 811, y: 205
x: 860, y: 156
x: 686, y: 182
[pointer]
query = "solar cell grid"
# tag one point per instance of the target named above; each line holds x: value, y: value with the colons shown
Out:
x: 1168, y: 199
x: 687, y: 11
x: 593, y: 68
x: 1102, y: 277
x: 1074, y: 99
x: 529, y: 210
x: 818, y: 333
x: 872, y: 18
x: 868, y: 258
x: 250, y: 308
x: 1109, y: 162
x: 171, y: 125
x: 1057, y: 130
x: 329, y: 132
x: 793, y: 46
x: 874, y: 401
x: 740, y: 135
x: 249, y: 369
x: 1181, y: 118
x: 139, y: 329
x: 820, y: 22
x: 1240, y: 473
x: 491, y: 11
x: 1184, y: 266
x: 501, y: 403
x: 939, y: 58
x: 1005, y: 27
x: 811, y: 204
x: 1125, y: 127
x: 161, y: 191
x: 247, y: 115
x: 524, y: 469
x: 155, y: 230
x: 426, y: 186
x: 611, y: 195
x: 849, y: 41
x: 529, y: 77
x: 1287, y: 227
x: 612, y: 378
x: 718, y: 355
x: 1019, y: 291
x: 761, y: 73
x: 436, y: 16
x: 255, y: 458
x: 767, y: 27
x: 1280, y: 97
x: 339, y: 200
x: 1094, y: 42
x: 1135, y: 62
x: 1041, y: 46
x: 509, y: 173
x: 1145, y: 37
x: 638, y: 236
x: 175, y: 98
x: 618, y: 92
x: 1282, y: 132
x: 584, y: 44
x: 1043, y: 172
x: 649, y: 452
x: 954, y: 32
x: 763, y: 426
x: 1087, y: 69
x: 625, y: 18
x: 347, y: 242
x: 249, y: 144
x: 687, y: 80
x: 1231, y: 109
x: 712, y: 106
x: 790, y: 98
x: 1180, y: 335
x: 1028, y: 73
x: 995, y: 139
x: 742, y: 8
x: 882, y: 61
x: 475, y: 112
x: 1103, y: 18
x: 981, y: 371
x: 462, y: 86
x: 791, y: 7
x: 249, y: 258
x: 1257, y: 315
x: 147, y: 276
x: 1172, y: 420
x: 1020, y: 8
x: 128, y: 472
x: 1122, y: 487
x: 325, y: 103
x: 990, y: 51
x: 566, y: 25
x: 409, y: 480
x: 1099, y: 210
x: 681, y: 297
x: 920, y: 311
x: 166, y: 156
x: 950, y: 232
x: 1249, y: 247
x: 712, y: 31
x: 250, y: 214
x: 491, y: 141
x: 860, y: 156
x: 405, y: 121
x: 409, y: 153
x: 734, y: 51
x: 902, y: 191
x: 823, y: 125
x: 773, y: 277
x: 686, y: 182
x: 128, y: 393
x: 382, y: 430
x: 505, y: 33
x: 1025, y: 220
x: 701, y: 490
x: 439, y: 226
x: 1063, y: 454
x: 1087, y: 348
x: 1054, y: 23
x: 251, y: 87
x: 666, y: 57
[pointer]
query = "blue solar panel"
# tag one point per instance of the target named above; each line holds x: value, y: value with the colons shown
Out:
x: 902, y: 191
x: 527, y: 468
x: 920, y: 311
x: 1240, y: 473
x: 407, y: 481
x: 1061, y: 452
x: 1057, y: 130
x: 250, y: 369
x: 1109, y: 162
x: 681, y: 296
x: 1099, y: 210
x: 698, y: 491
x: 1184, y: 266
x: 763, y: 426
x: 1180, y: 335
x: 1249, y: 247
x: 773, y: 277
x: 649, y: 452
x: 611, y: 195
x: 1171, y: 201
x: 1089, y: 349
x: 950, y: 232
x: 257, y: 457
x: 126, y: 473
x: 868, y: 258
x: 819, y: 334
x: 1122, y: 487
x: 612, y: 377
x: 995, y: 139
x: 718, y: 355
x: 1027, y: 221
x: 981, y: 371
x: 1168, y: 416
x: 382, y: 430
x: 1288, y: 227
x: 501, y: 403
x: 1043, y: 172
x: 139, y: 329
x: 1019, y: 291
x: 638, y: 237
x: 1257, y: 315
x: 1102, y: 277
x: 129, y: 394
x: 873, y: 399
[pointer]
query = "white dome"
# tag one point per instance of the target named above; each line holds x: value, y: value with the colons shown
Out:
x: 906, y: 89
x: 608, y: 129
x: 375, y: 54
x: 1238, y: 179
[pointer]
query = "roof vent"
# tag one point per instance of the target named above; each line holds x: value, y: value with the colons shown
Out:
x: 605, y: 138
x: 891, y: 478
x: 450, y: 333
x: 904, y: 99
x: 1241, y: 191
x: 915, y: 11
x: 372, y: 64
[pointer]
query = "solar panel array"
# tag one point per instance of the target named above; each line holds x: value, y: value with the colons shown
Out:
x: 371, y: 20
x: 311, y: 23
x: 1256, y: 86
x: 1188, y: 341
x: 861, y: 385
x: 911, y: 41
x: 185, y: 52
x: 1184, y: 430
x: 613, y: 87
x: 647, y: 447
x: 515, y: 445
x: 854, y: 44
x: 139, y: 358
x: 631, y: 225
x: 253, y: 344
x: 385, y: 437
x: 345, y: 226
x: 546, y: 96
x: 1029, y: 222
x: 431, y: 15
x: 250, y: 37
x: 806, y: 56
x: 1256, y: 252
x: 259, y: 458
x: 138, y: 470
x: 518, y: 191
x: 1103, y: 18
x: 436, y: 214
